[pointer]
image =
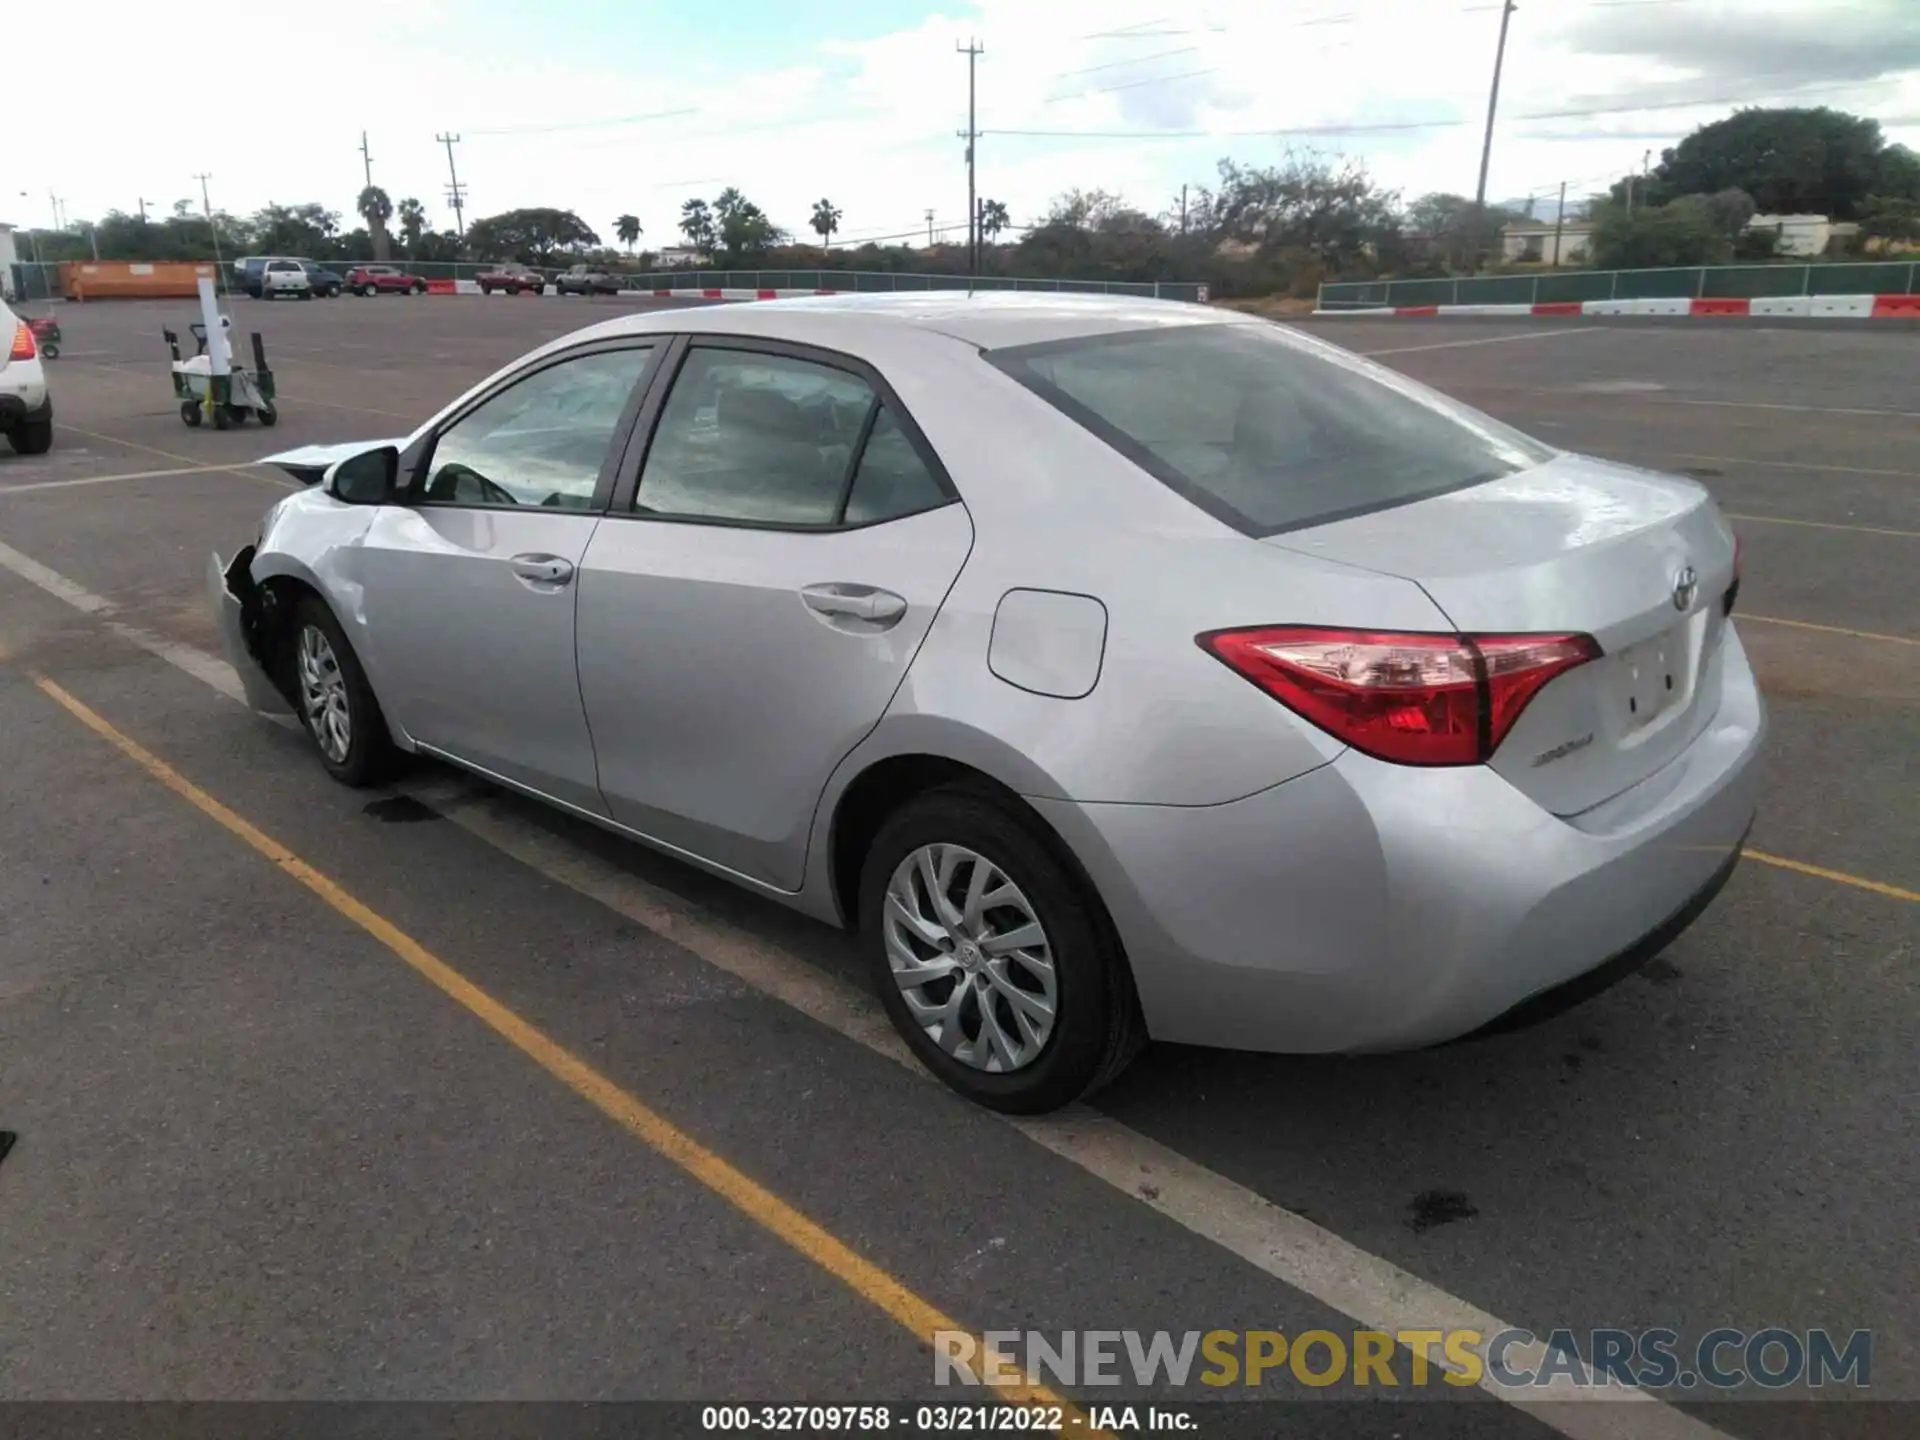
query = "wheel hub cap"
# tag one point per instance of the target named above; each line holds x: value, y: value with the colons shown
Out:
x: 323, y: 694
x: 972, y: 961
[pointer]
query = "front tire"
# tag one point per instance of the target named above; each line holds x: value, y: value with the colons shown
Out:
x: 418, y: 289
x: 994, y: 960
x: 334, y: 700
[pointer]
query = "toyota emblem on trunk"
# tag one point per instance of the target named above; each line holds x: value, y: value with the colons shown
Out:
x: 1685, y: 586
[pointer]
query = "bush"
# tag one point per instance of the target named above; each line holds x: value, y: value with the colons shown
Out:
x: 1654, y: 237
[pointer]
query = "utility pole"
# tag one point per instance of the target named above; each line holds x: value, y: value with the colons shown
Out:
x: 366, y: 159
x: 143, y: 210
x: 973, y: 51
x: 455, y: 195
x: 219, y: 267
x: 929, y: 229
x: 1183, y: 209
x: 1486, y: 146
x: 1559, y: 221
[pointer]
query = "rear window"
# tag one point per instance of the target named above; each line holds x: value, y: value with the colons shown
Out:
x: 1266, y: 431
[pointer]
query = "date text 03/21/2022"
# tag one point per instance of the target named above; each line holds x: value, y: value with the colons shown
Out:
x: 982, y: 1419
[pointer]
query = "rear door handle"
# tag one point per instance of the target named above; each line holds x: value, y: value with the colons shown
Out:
x: 859, y: 602
x: 542, y: 569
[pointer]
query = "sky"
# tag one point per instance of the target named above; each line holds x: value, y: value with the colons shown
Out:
x: 612, y: 106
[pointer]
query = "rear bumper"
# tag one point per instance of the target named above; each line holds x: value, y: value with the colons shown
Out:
x: 1367, y: 906
x: 230, y: 586
x: 23, y: 393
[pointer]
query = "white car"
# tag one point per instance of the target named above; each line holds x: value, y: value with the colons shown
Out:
x: 26, y: 409
x: 285, y: 277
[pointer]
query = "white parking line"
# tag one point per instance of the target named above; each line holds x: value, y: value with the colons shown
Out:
x: 1553, y: 334
x: 1370, y: 1290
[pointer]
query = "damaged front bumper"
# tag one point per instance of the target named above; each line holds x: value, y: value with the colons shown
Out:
x: 240, y: 606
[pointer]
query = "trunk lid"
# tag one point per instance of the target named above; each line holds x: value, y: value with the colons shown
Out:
x: 1572, y: 545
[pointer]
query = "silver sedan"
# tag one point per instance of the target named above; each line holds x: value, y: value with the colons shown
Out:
x: 1118, y: 669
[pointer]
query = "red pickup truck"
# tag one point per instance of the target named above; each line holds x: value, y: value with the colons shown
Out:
x: 384, y: 280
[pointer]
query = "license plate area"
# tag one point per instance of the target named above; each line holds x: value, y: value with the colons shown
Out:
x: 1652, y: 678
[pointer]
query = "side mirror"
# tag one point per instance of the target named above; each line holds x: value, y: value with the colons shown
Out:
x: 368, y: 478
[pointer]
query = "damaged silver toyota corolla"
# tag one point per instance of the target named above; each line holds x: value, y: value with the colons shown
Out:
x: 1118, y: 668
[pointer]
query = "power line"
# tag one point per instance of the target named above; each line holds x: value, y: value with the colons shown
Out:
x: 1136, y: 60
x: 1133, y: 85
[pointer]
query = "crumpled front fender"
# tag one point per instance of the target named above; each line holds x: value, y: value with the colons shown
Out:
x: 237, y: 602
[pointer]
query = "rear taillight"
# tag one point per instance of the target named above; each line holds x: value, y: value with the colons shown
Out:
x: 23, y: 347
x: 1733, y: 586
x: 1414, y: 699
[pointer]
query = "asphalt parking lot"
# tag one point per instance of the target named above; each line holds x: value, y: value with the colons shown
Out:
x: 437, y: 1095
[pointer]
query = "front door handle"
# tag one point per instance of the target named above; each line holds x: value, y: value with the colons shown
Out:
x: 542, y: 569
x: 858, y: 602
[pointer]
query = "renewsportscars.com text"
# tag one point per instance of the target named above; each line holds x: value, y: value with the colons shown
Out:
x: 1654, y: 1359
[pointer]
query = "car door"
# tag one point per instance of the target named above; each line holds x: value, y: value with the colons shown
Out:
x: 469, y: 585
x: 747, y: 615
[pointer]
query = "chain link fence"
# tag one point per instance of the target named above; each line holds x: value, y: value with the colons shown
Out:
x: 1698, y: 282
x: 36, y: 281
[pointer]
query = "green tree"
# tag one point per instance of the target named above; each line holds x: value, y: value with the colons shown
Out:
x: 376, y: 208
x: 1453, y: 231
x: 1891, y: 218
x: 413, y: 224
x: 696, y: 223
x: 1652, y: 237
x: 826, y: 220
x: 1327, y: 209
x: 537, y: 236
x: 993, y: 218
x: 626, y: 230
x: 1790, y: 161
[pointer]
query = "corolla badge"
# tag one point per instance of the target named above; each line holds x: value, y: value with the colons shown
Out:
x: 1686, y: 585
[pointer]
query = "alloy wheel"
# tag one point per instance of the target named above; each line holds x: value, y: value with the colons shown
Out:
x: 323, y: 694
x: 970, y: 957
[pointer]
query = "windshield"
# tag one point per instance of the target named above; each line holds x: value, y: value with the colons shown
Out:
x: 1264, y: 430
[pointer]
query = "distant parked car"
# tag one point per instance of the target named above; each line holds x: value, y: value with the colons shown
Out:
x: 384, y: 280
x: 512, y: 279
x: 586, y: 280
x: 285, y: 277
x: 325, y: 282
x: 249, y: 271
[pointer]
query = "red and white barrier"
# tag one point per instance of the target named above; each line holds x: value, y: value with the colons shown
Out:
x: 1850, y: 307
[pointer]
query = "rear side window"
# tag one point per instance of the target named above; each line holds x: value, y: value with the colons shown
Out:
x: 1264, y: 431
x: 755, y: 438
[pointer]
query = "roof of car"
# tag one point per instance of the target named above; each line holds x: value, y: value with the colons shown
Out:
x: 991, y: 320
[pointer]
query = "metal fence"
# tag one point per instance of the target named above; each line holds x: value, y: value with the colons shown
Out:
x: 1698, y: 282
x: 33, y: 281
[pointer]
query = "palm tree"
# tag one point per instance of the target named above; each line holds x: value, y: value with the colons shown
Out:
x: 696, y: 223
x: 376, y: 208
x: 993, y: 218
x: 413, y: 223
x: 826, y: 220
x: 627, y: 230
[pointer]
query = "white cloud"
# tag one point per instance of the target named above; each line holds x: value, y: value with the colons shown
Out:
x: 871, y: 122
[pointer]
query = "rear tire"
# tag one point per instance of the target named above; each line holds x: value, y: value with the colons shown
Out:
x: 1095, y: 1026
x: 335, y: 703
x: 190, y: 412
x: 32, y: 437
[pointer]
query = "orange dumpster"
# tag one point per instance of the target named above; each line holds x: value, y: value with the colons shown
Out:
x: 132, y: 279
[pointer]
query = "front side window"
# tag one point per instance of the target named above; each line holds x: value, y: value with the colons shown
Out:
x: 763, y: 439
x: 541, y: 441
x: 1265, y: 431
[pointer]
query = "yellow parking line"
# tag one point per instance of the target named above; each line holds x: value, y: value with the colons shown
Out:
x: 1840, y: 876
x: 1820, y: 525
x: 1744, y: 616
x: 753, y: 1200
